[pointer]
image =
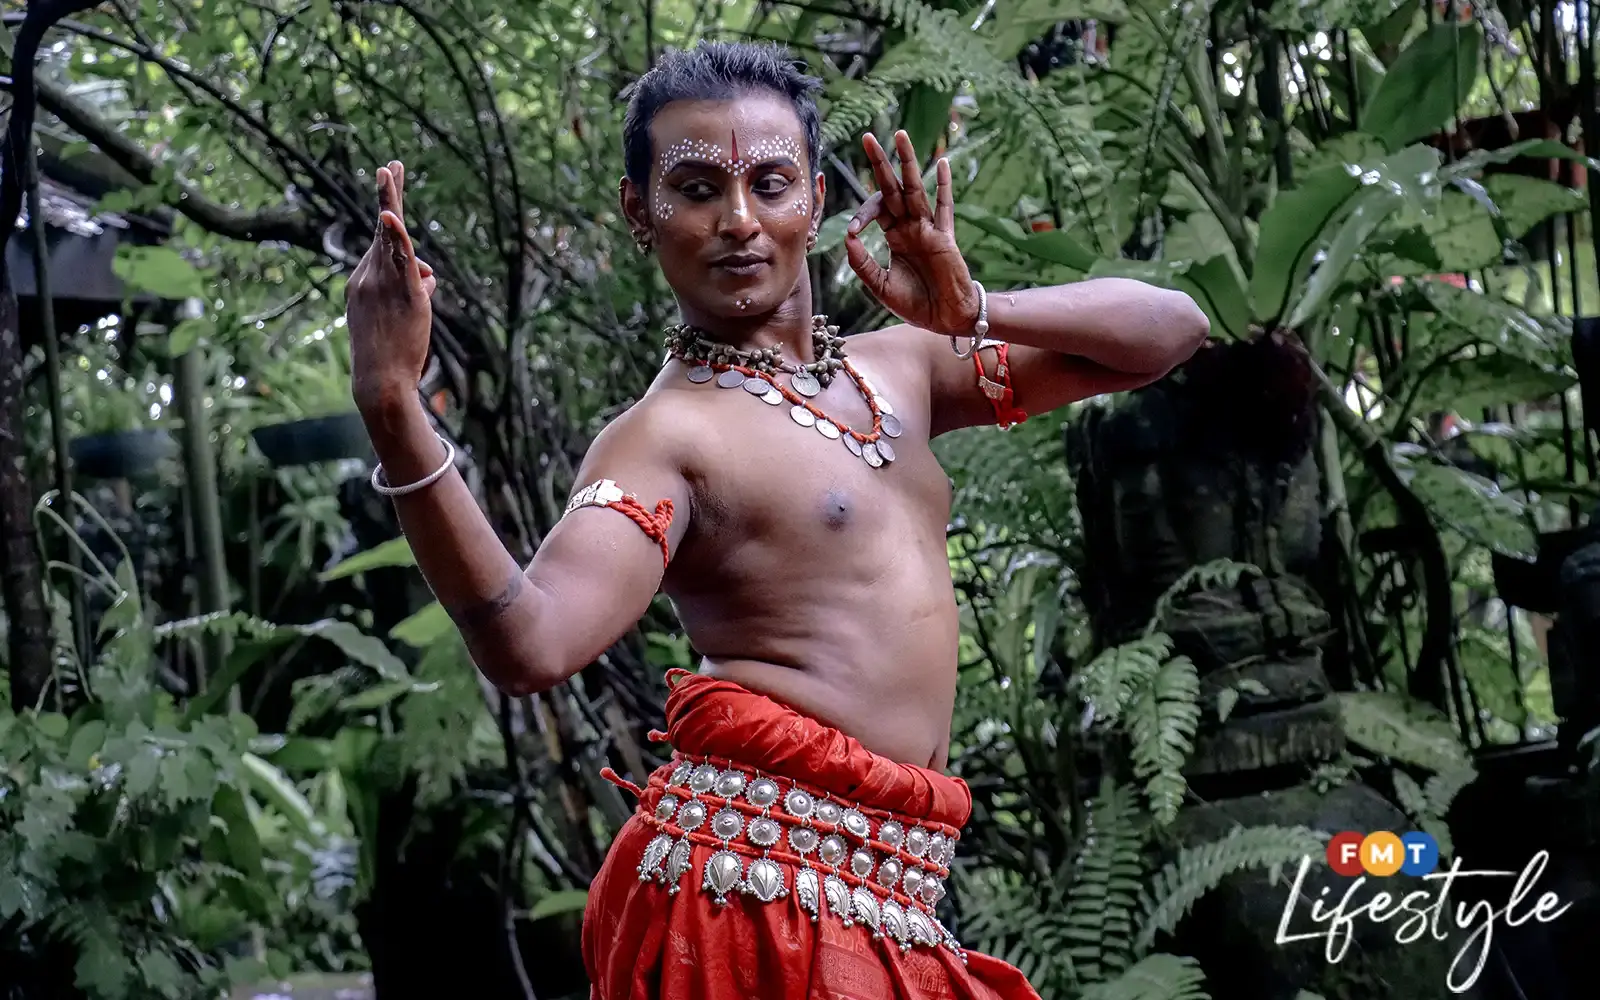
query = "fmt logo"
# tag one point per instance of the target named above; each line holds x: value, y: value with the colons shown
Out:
x: 1383, y: 854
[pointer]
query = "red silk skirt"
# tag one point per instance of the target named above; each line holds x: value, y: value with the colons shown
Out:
x: 776, y: 858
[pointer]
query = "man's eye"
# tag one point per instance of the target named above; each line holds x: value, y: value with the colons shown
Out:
x: 772, y: 184
x: 697, y: 190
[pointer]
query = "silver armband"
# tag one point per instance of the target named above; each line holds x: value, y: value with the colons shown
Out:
x: 600, y: 493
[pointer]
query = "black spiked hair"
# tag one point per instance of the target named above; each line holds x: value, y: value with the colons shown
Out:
x: 716, y: 71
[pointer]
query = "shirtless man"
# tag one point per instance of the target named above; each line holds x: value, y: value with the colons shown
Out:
x: 797, y: 843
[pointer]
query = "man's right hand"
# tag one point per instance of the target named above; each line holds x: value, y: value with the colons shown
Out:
x: 387, y: 306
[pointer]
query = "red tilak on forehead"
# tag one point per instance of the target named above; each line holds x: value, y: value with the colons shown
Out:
x: 735, y: 139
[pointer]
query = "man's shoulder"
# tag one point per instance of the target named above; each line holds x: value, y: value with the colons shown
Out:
x: 663, y: 419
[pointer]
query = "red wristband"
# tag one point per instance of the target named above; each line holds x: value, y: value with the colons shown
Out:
x: 998, y: 389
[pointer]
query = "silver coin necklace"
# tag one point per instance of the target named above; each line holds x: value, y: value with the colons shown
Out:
x: 757, y: 372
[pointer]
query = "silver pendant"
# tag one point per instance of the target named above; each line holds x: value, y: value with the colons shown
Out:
x: 936, y: 849
x: 856, y: 824
x: 829, y: 812
x: 763, y: 792
x: 799, y: 803
x: 772, y: 396
x: 764, y: 832
x: 802, y: 416
x: 808, y: 891
x: 861, y: 863
x: 917, y: 842
x: 889, y: 873
x: 891, y: 833
x: 692, y: 815
x: 677, y: 865
x: 701, y: 373
x: 681, y: 774
x: 851, y: 443
x: 655, y: 855
x: 765, y: 880
x: 833, y: 850
x: 757, y: 386
x: 864, y: 905
x: 912, y: 879
x: 730, y: 379
x: 803, y: 839
x: 724, y: 871
x: 883, y: 405
x: 838, y: 896
x: 703, y: 778
x: 891, y: 425
x: 921, y: 928
x: 666, y: 807
x: 805, y: 383
x: 730, y: 784
x: 727, y: 823
x: 894, y: 924
x: 828, y: 429
x: 886, y: 450
x: 869, y: 452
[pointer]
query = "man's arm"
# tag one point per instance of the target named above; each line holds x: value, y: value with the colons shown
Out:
x: 591, y: 580
x: 1067, y: 342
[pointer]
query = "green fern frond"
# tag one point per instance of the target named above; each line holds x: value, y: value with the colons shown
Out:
x: 1157, y: 977
x: 1162, y: 721
x: 1215, y: 575
x: 1116, y: 677
x: 1403, y: 730
x: 1098, y: 925
x: 1197, y: 870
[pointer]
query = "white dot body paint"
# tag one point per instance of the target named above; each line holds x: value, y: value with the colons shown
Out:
x: 714, y: 154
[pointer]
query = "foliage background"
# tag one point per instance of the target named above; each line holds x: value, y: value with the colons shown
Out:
x: 164, y: 828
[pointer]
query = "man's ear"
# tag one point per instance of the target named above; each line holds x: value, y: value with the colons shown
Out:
x: 819, y: 190
x: 634, y: 209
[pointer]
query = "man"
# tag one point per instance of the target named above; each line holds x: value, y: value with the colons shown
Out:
x: 778, y: 485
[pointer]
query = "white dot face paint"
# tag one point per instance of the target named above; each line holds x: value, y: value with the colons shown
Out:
x: 733, y: 161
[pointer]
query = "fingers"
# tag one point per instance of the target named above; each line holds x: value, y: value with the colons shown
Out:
x: 944, y: 208
x: 401, y: 251
x: 397, y: 176
x: 888, y: 184
x: 869, y: 210
x: 916, y: 196
x: 871, y: 273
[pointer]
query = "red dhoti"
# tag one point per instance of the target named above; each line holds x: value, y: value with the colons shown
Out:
x: 776, y: 858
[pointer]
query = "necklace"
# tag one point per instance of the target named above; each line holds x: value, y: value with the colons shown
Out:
x: 756, y: 371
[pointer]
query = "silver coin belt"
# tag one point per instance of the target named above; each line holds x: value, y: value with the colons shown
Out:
x: 858, y: 865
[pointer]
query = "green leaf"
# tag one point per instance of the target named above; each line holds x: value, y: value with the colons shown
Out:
x: 1371, y: 206
x: 160, y: 271
x: 1472, y: 506
x: 161, y: 973
x: 382, y: 694
x: 185, y: 336
x: 1227, y: 698
x: 275, y: 788
x: 1289, y: 228
x: 1425, y: 85
x: 559, y: 902
x: 1533, y: 149
x: 1053, y: 245
x: 244, y: 845
x: 51, y: 724
x: 143, y: 767
x: 831, y: 233
x: 1215, y: 286
x: 102, y: 968
x: 395, y: 552
x: 424, y: 628
x: 86, y: 742
x: 1466, y: 385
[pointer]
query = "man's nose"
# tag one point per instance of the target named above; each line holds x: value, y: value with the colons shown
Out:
x: 738, y: 214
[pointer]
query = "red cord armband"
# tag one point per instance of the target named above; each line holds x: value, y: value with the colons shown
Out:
x: 605, y: 493
x: 998, y: 389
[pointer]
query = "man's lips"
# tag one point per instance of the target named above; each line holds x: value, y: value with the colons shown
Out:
x: 740, y: 263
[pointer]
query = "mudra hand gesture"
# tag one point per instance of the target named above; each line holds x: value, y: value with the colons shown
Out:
x: 387, y: 304
x: 926, y: 283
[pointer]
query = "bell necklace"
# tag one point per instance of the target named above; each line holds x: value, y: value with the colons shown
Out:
x: 757, y: 371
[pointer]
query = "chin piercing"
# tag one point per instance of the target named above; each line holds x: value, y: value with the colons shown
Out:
x: 743, y: 303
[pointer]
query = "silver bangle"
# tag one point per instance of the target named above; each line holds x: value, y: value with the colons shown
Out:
x: 428, y: 480
x: 979, y: 329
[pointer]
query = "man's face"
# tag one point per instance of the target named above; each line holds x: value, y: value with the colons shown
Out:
x: 730, y: 202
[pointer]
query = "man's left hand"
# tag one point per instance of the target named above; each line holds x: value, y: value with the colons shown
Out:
x: 926, y: 283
